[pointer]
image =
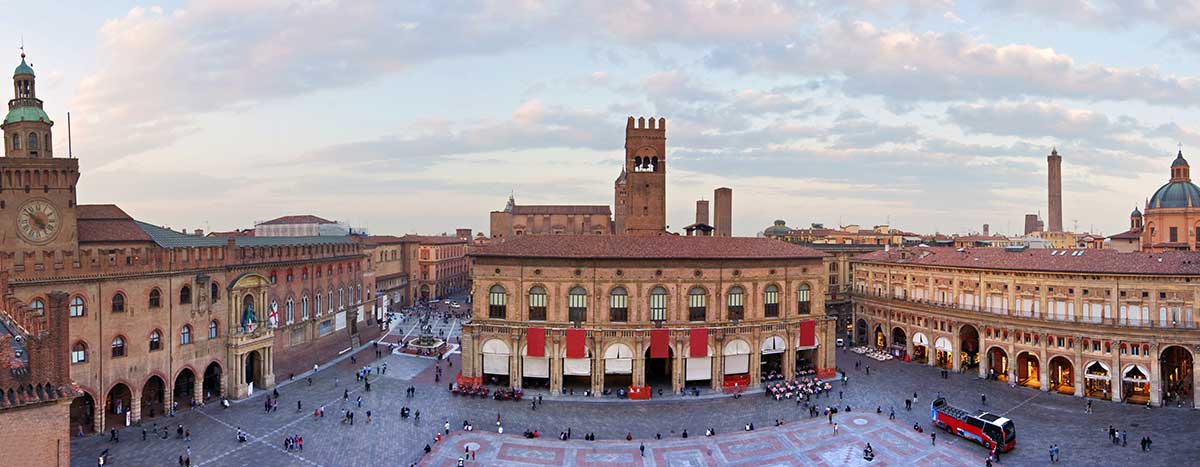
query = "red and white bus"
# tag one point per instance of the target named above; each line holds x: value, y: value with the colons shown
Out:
x: 985, y: 428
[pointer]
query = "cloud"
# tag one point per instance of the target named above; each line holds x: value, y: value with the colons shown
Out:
x: 1032, y: 119
x: 935, y: 66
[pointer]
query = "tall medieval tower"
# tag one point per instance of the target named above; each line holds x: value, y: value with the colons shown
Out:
x: 1054, y: 172
x: 37, y: 190
x: 641, y: 189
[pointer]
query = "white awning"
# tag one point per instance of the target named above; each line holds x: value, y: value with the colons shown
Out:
x: 773, y: 345
x: 737, y: 364
x: 920, y: 340
x: 737, y: 347
x: 943, y: 344
x: 577, y: 366
x: 495, y: 364
x: 536, y: 367
x: 618, y: 360
x: 698, y: 369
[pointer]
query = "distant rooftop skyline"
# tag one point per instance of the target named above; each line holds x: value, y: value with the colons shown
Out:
x: 424, y: 116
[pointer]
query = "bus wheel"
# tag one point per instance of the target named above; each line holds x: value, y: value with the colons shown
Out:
x: 987, y: 445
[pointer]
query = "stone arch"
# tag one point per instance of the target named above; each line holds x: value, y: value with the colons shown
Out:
x: 118, y: 402
x: 211, y: 385
x: 1178, y: 379
x: 879, y: 338
x: 997, y: 363
x: 1097, y: 379
x: 153, y: 395
x: 83, y: 412
x: 1062, y: 374
x: 1029, y: 370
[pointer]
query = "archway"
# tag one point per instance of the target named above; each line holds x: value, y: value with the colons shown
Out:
x: 253, y: 369
x: 997, y: 364
x: 657, y: 371
x: 1136, y: 384
x: 920, y: 347
x: 1177, y: 377
x: 495, y: 362
x: 618, y: 366
x: 1028, y: 370
x: 860, y: 332
x: 185, y: 389
x: 1097, y: 381
x: 806, y: 357
x: 737, y: 363
x: 425, y: 293
x: 577, y: 372
x: 153, y: 393
x: 943, y: 353
x: 116, y: 406
x: 535, y: 371
x: 1062, y: 375
x: 968, y: 341
x: 880, y: 341
x: 212, y: 381
x: 899, y: 342
x: 772, y: 349
x: 83, y: 414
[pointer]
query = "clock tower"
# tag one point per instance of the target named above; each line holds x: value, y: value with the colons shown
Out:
x: 37, y: 190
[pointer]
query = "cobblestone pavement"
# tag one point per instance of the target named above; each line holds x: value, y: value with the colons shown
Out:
x: 1040, y: 418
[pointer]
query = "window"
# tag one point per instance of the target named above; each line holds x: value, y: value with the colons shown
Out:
x: 736, y: 303
x: 185, y: 295
x: 155, y: 340
x: 155, y: 298
x: 304, y: 307
x: 33, y: 141
x: 537, y: 304
x: 214, y: 291
x: 618, y: 305
x: 290, y: 311
x: 697, y: 306
x: 79, y: 352
x: 16, y: 140
x: 212, y: 329
x: 496, y: 302
x: 118, y: 347
x: 341, y: 299
x: 577, y: 305
x: 771, y: 302
x: 118, y: 303
x: 804, y: 300
x: 1174, y: 234
x: 185, y: 335
x: 331, y: 302
x: 77, y: 307
x: 317, y: 303
x: 658, y: 304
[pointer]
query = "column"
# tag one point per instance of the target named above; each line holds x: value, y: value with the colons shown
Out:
x: 755, y: 367
x: 639, y: 362
x: 1044, y: 372
x: 168, y: 397
x: 982, y: 352
x: 516, y: 364
x: 1077, y: 368
x: 718, y: 367
x: 1012, y: 361
x: 197, y: 390
x: 955, y: 361
x: 135, y: 405
x: 908, y: 343
x: 1156, y: 396
x: 789, y: 356
x: 677, y: 368
x: 597, y: 374
x: 1195, y: 370
x: 1115, y: 375
x: 556, y: 371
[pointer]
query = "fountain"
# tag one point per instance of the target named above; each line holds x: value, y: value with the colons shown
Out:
x: 426, y: 343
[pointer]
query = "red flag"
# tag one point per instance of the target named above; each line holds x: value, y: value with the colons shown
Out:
x: 808, y: 333
x: 536, y: 341
x: 698, y: 342
x: 659, y: 343
x: 575, y: 338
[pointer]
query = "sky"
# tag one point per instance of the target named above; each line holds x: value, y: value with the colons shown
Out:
x: 422, y: 116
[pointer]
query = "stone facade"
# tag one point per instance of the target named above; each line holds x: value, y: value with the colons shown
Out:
x: 1096, y: 323
x: 615, y: 300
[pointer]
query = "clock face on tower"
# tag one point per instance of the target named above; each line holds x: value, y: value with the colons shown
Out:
x: 38, y: 221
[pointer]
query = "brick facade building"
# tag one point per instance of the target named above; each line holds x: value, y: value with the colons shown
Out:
x: 589, y: 313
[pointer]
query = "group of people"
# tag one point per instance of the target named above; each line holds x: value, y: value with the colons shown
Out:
x: 799, y: 388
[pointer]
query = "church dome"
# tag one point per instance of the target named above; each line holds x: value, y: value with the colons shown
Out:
x: 780, y: 228
x: 1179, y: 194
x: 23, y: 68
x: 1136, y: 212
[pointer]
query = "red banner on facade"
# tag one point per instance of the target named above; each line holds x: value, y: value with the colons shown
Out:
x: 536, y: 342
x: 660, y: 343
x: 698, y: 343
x: 808, y: 333
x: 575, y: 338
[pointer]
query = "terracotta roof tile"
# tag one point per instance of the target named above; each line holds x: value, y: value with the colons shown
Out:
x: 650, y: 247
x: 1101, y: 261
x: 110, y: 230
x: 100, y: 211
x: 1128, y: 234
x: 299, y: 219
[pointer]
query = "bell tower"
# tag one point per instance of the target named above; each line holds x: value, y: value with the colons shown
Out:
x: 37, y: 190
x: 643, y: 203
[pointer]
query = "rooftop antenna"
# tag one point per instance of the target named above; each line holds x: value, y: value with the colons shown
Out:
x: 70, y: 153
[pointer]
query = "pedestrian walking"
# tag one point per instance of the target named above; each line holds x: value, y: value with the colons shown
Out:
x: 983, y: 399
x: 835, y: 428
x: 642, y: 449
x: 1088, y: 409
x: 933, y: 438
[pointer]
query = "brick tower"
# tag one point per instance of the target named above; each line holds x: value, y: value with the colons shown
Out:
x: 1054, y: 162
x: 641, y: 191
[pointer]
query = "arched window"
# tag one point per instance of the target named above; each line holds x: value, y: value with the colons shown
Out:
x: 803, y: 300
x: 47, y: 146
x: 497, y: 301
x: 77, y: 306
x: 118, y: 303
x: 155, y: 340
x: 33, y: 141
x: 185, y: 295
x: 291, y: 311
x: 735, y: 303
x: 212, y: 329
x: 38, y: 306
x: 185, y: 335
x: 537, y: 304
x: 771, y: 302
x: 618, y: 305
x: 214, y: 291
x: 331, y: 302
x: 341, y: 299
x: 697, y: 304
x: 118, y: 347
x: 658, y: 304
x: 577, y: 302
x: 79, y: 352
x: 304, y: 307
x: 16, y: 140
x: 155, y: 298
x: 317, y: 303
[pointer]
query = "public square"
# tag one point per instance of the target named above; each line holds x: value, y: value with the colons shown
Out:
x: 1041, y: 419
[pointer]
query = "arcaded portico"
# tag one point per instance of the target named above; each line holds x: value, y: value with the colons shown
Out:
x: 585, y: 313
